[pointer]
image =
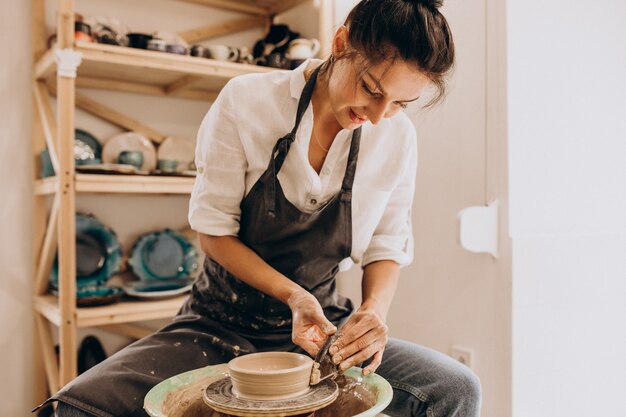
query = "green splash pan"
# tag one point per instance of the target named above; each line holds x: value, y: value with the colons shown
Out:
x: 155, y: 401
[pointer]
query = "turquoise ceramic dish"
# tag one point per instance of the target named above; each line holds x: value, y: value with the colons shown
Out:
x: 98, y: 254
x: 163, y: 255
x: 87, y: 149
x: 155, y: 399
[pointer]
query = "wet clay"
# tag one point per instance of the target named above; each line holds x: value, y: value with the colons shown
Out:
x: 354, y: 398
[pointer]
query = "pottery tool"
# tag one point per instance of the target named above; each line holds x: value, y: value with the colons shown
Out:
x: 323, y: 367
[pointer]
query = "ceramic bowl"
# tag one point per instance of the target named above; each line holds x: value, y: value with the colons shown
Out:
x: 270, y: 375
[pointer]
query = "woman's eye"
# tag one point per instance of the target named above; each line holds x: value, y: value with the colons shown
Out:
x: 367, y: 90
x: 402, y: 105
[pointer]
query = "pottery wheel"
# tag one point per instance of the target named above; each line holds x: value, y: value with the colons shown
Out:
x: 219, y: 396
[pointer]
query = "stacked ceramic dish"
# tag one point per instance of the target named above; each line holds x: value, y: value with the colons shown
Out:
x: 164, y: 262
x: 98, y: 257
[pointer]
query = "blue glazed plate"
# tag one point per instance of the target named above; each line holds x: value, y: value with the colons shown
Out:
x: 163, y: 255
x: 87, y: 149
x: 158, y: 289
x: 96, y: 295
x: 98, y: 253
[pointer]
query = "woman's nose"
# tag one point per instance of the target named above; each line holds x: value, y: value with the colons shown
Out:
x: 376, y: 112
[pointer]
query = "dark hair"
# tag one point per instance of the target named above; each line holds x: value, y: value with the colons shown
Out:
x: 413, y: 30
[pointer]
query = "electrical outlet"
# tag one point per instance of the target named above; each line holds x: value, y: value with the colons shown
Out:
x: 463, y: 355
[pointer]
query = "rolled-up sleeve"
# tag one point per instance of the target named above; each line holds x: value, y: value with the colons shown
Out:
x: 393, y: 236
x: 214, y: 207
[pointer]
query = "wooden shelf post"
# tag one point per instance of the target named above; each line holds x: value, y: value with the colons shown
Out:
x: 66, y: 217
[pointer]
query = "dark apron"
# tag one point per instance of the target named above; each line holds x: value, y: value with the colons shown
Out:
x: 225, y: 317
x: 305, y: 247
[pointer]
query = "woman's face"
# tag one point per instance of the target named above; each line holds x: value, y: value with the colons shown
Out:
x: 382, y: 91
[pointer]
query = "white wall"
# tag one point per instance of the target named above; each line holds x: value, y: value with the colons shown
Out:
x: 15, y: 172
x: 566, y: 91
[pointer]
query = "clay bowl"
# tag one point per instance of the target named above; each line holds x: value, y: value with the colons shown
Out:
x: 270, y: 375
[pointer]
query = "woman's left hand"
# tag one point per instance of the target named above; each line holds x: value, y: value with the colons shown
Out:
x: 363, y: 336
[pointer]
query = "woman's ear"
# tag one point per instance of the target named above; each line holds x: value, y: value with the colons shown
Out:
x: 340, y: 41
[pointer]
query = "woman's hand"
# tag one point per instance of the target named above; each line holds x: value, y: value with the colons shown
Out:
x: 363, y: 336
x: 310, y: 326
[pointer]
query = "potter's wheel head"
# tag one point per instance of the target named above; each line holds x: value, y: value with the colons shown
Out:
x: 220, y: 396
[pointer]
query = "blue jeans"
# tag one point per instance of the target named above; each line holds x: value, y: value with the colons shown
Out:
x: 425, y: 383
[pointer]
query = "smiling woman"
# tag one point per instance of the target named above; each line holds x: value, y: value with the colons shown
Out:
x: 302, y: 174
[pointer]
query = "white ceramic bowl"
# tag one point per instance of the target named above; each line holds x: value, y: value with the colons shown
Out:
x: 270, y: 375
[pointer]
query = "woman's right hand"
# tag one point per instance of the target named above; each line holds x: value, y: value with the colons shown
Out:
x: 310, y: 326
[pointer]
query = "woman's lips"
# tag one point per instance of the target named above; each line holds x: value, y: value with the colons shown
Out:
x: 355, y: 118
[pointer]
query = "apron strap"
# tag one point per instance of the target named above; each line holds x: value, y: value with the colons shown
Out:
x: 353, y: 156
x: 279, y: 153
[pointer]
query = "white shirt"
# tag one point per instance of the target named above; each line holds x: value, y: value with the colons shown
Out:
x: 233, y: 148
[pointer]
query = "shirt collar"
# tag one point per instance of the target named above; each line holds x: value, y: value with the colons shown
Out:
x: 297, y: 81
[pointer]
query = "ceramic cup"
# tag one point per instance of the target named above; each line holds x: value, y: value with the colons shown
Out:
x: 223, y: 53
x: 82, y: 31
x: 177, y: 49
x: 134, y: 158
x: 167, y: 165
x: 270, y: 375
x: 157, y: 45
x: 199, y: 51
x: 138, y: 40
x: 302, y: 48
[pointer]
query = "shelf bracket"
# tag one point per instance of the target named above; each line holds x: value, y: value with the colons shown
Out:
x: 68, y: 61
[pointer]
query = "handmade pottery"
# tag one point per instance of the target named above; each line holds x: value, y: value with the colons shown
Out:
x: 163, y: 255
x: 223, y: 52
x: 168, y: 165
x: 82, y: 31
x: 134, y: 158
x: 130, y: 141
x: 157, y: 45
x: 160, y: 289
x: 177, y: 49
x: 138, y: 40
x: 98, y: 254
x: 270, y: 375
x: 176, y: 149
x: 302, y: 48
x: 87, y: 149
x: 199, y: 51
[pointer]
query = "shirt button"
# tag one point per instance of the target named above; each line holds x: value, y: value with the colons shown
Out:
x: 325, y: 171
x: 313, y: 201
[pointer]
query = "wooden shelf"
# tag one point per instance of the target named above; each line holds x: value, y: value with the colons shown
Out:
x: 120, y: 184
x: 120, y: 312
x: 148, y: 72
x: 255, y: 7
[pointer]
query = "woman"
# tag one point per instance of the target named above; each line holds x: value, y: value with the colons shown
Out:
x: 287, y: 195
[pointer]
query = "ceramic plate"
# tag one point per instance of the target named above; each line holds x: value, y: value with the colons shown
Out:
x: 156, y: 405
x: 98, y: 253
x: 130, y: 141
x: 87, y: 149
x: 163, y: 255
x: 110, y: 169
x: 177, y: 149
x: 158, y: 289
x: 96, y: 295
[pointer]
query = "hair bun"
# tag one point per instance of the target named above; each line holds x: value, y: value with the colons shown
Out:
x: 432, y: 4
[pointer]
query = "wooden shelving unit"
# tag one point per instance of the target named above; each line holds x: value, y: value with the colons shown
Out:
x: 119, y: 69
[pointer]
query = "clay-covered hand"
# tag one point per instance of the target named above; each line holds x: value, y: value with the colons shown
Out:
x: 310, y: 326
x: 364, y: 336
